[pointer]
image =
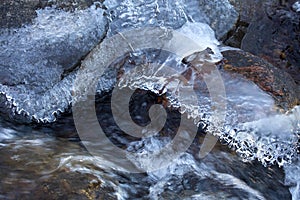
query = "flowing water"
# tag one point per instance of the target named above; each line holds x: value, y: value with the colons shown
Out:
x: 37, y: 163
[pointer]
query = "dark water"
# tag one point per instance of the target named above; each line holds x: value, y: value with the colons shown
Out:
x: 36, y: 164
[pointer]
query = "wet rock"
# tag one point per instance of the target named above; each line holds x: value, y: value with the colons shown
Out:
x: 221, y: 15
x: 278, y: 40
x: 248, y: 12
x: 69, y: 5
x: 16, y: 13
x: 269, y: 78
x: 20, y: 12
x: 235, y: 36
x: 62, y: 52
x: 269, y: 29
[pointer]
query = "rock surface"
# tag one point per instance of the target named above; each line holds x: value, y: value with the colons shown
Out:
x: 17, y: 13
x: 269, y: 29
x: 268, y: 77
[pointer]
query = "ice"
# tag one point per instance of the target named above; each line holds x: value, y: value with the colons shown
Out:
x: 39, y: 61
x: 296, y: 6
x: 292, y: 178
x: 230, y: 107
x: 220, y: 15
x: 36, y: 59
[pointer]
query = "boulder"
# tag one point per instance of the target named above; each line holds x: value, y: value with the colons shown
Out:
x: 279, y: 84
x: 269, y: 29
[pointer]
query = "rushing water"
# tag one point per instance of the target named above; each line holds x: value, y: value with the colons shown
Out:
x: 37, y: 163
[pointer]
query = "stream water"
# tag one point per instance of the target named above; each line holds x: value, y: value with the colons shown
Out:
x: 36, y: 164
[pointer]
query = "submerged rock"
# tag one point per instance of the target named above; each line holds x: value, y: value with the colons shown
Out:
x: 38, y: 67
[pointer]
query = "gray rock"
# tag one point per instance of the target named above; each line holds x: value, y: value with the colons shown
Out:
x: 21, y: 12
x: 278, y: 41
x: 17, y: 13
x: 269, y: 29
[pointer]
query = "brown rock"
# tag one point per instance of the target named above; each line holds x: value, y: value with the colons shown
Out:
x: 269, y: 29
x: 275, y: 81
